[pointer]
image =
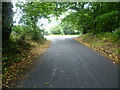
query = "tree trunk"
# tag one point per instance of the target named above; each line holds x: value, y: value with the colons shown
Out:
x: 7, y: 20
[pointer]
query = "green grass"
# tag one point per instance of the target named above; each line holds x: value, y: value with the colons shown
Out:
x: 103, y: 39
x: 117, y: 50
x: 99, y: 39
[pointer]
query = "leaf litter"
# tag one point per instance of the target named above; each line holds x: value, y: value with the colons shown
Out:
x: 16, y: 70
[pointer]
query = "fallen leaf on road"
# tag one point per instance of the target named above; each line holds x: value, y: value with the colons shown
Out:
x: 35, y: 86
x: 47, y: 83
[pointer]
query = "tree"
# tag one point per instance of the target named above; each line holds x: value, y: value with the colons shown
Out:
x: 95, y: 17
x: 7, y: 20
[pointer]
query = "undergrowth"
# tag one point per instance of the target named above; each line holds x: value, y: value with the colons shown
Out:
x: 16, y: 50
x: 106, y: 38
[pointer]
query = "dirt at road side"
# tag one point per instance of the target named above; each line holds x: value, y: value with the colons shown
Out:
x: 17, y: 70
x: 104, y: 47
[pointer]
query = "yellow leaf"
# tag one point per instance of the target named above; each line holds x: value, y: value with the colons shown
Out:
x: 47, y: 83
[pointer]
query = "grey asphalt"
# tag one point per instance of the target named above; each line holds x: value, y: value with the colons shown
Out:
x: 69, y: 64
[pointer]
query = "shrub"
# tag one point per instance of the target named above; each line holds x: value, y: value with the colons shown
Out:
x: 26, y: 33
x: 116, y: 34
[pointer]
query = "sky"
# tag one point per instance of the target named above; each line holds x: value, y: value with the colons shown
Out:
x: 46, y: 25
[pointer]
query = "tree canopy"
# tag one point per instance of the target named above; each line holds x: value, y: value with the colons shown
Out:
x: 95, y: 17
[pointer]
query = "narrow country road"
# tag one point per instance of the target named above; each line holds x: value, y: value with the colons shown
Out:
x: 69, y: 64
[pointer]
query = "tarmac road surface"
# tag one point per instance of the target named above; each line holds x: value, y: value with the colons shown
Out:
x: 69, y: 64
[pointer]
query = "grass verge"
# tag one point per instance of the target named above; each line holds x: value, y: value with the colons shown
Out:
x: 105, y: 44
x: 20, y: 58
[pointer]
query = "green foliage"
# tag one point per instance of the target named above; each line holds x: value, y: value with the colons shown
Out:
x: 56, y: 30
x: 97, y: 17
x: 87, y: 17
x: 26, y: 33
x: 65, y: 28
x: 32, y: 11
x: 107, y: 22
x: 113, y: 36
x: 116, y: 34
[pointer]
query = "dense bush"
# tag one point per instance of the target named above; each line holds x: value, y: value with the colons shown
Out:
x: 97, y: 17
x: 26, y: 33
x: 107, y: 22
x: 116, y: 34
